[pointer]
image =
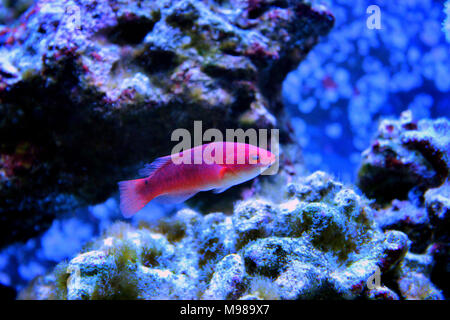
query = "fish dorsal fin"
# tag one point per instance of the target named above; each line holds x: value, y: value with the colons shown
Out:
x: 174, y: 197
x: 150, y: 168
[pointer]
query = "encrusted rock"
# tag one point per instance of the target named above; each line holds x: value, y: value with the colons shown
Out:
x: 437, y: 202
x: 413, y: 277
x: 405, y: 154
x: 411, y: 160
x: 228, y: 279
x: 328, y: 247
x: 91, y: 90
x: 382, y: 293
x: 415, y: 286
x: 410, y: 219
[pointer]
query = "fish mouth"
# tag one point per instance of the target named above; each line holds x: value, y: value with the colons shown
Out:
x: 262, y: 169
x: 269, y: 161
x: 266, y: 166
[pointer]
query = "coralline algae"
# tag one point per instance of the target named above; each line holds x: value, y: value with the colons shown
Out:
x: 405, y: 155
x: 321, y: 242
x: 409, y: 160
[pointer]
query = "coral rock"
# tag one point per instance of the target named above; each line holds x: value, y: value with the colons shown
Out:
x: 91, y: 90
x: 328, y: 246
x: 406, y: 154
x: 228, y: 279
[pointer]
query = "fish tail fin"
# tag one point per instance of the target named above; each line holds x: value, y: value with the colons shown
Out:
x: 132, y: 199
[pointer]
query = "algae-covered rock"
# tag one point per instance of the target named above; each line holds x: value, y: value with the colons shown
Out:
x: 437, y: 203
x: 410, y: 160
x: 413, y: 278
x: 320, y: 242
x: 410, y: 219
x: 228, y: 280
x: 89, y: 90
x: 405, y: 154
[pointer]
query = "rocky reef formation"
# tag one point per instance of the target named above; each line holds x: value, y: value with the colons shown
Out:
x: 321, y: 242
x: 91, y: 90
x: 406, y: 156
x: 409, y: 160
x: 427, y: 226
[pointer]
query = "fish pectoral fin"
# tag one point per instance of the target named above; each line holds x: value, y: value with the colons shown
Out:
x: 225, y: 170
x: 222, y: 172
x: 220, y: 190
x: 174, y: 197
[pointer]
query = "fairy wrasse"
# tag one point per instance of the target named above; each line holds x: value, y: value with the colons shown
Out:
x: 177, y: 177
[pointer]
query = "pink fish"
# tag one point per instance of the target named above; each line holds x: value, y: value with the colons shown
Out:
x: 175, y: 178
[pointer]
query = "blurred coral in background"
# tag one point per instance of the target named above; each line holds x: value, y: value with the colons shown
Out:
x: 357, y: 75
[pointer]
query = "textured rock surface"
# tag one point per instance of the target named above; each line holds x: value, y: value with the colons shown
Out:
x: 411, y: 160
x: 321, y: 242
x: 413, y: 278
x: 405, y: 154
x: 90, y: 90
x: 410, y: 219
x: 437, y: 202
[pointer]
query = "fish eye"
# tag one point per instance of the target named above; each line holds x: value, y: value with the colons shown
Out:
x: 255, y: 157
